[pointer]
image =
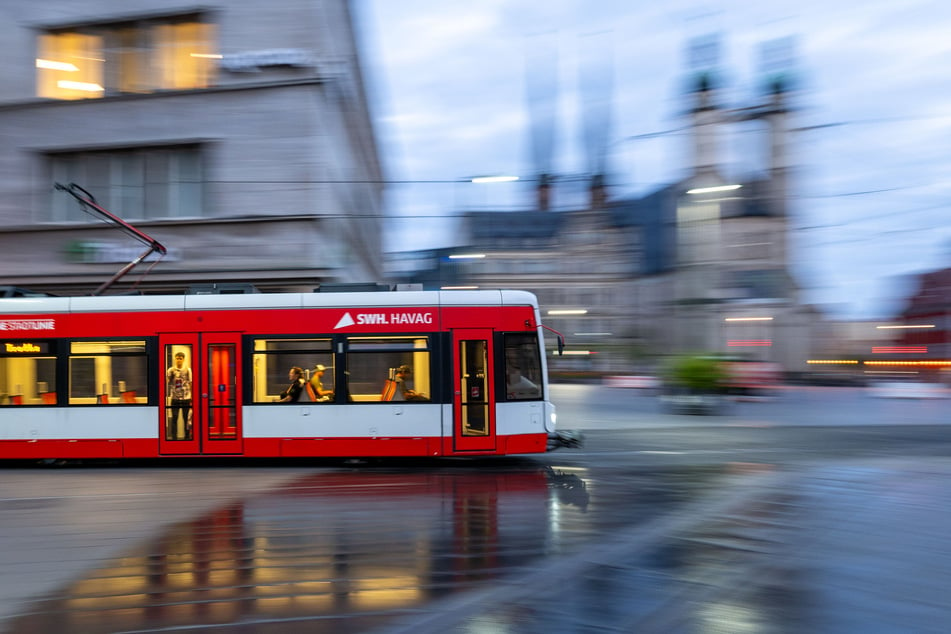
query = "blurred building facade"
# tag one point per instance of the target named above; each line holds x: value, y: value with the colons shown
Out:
x: 924, y: 325
x: 700, y: 265
x: 235, y: 133
x: 733, y: 291
x: 912, y: 345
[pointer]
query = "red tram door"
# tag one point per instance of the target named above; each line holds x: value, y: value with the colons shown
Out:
x: 473, y: 398
x: 200, y: 410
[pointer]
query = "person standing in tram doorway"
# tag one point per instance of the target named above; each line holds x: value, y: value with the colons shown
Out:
x: 179, y: 382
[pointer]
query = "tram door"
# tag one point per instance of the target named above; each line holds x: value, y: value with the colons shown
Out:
x: 473, y: 398
x: 200, y: 410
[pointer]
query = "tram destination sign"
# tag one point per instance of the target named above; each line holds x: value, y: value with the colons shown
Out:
x: 25, y: 347
x: 11, y: 325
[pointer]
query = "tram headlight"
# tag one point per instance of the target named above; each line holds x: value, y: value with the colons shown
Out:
x: 552, y: 419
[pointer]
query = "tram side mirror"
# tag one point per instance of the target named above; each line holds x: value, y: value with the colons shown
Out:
x: 560, y: 338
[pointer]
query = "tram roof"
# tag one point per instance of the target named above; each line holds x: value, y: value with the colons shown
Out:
x: 156, y: 303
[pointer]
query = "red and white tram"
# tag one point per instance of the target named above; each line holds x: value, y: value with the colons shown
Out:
x: 201, y: 375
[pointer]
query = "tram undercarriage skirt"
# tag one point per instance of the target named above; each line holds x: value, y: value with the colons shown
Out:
x: 568, y: 438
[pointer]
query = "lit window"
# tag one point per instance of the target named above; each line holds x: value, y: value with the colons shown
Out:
x: 275, y: 358
x: 69, y: 66
x: 28, y: 372
x: 108, y: 372
x: 180, y: 55
x: 130, y: 57
x: 388, y: 369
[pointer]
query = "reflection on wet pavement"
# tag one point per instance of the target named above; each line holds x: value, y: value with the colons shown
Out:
x: 826, y: 550
x: 731, y: 573
x: 355, y: 550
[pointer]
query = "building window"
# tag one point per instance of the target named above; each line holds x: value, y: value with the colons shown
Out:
x: 751, y: 246
x: 108, y: 372
x: 136, y: 184
x: 88, y: 62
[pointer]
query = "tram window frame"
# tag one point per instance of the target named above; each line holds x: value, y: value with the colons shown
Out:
x: 131, y: 390
x: 371, y: 364
x: 303, y: 351
x: 13, y: 393
x: 520, y: 360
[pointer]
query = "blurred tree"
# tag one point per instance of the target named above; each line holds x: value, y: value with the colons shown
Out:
x: 697, y: 373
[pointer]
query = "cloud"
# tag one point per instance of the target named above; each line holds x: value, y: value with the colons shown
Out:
x: 456, y: 106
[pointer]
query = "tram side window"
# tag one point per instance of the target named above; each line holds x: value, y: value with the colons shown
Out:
x: 274, y: 358
x: 388, y: 369
x: 28, y: 373
x: 523, y: 368
x: 108, y: 372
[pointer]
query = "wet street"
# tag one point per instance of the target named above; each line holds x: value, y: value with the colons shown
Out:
x: 759, y: 520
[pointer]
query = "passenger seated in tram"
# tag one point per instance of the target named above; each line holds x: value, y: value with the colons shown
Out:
x: 293, y: 391
x: 315, y: 388
x: 404, y: 392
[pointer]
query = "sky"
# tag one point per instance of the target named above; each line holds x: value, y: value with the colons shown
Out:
x: 871, y: 194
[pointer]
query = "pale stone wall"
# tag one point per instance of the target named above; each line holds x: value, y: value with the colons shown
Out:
x: 285, y: 141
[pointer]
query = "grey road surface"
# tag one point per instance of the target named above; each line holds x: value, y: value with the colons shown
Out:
x: 821, y: 511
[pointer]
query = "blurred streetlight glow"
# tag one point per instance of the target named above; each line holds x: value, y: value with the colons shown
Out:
x: 569, y: 311
x: 467, y: 256
x: 899, y: 349
x: 748, y: 319
x: 458, y: 288
x: 710, y: 190
x: 910, y: 363
x: 494, y: 179
x: 908, y: 326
